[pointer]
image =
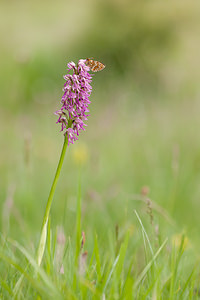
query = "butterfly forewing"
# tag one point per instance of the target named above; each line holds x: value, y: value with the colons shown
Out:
x: 94, y: 65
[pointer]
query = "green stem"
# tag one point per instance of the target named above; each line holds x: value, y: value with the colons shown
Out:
x: 43, y: 235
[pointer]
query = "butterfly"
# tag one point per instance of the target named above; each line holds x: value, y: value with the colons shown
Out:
x: 94, y: 65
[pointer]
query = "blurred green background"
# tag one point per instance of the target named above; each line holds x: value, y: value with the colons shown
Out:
x: 144, y: 122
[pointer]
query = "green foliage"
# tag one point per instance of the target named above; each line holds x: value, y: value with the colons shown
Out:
x: 132, y: 39
x: 119, y: 278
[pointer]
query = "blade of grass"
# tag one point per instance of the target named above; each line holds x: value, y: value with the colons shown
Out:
x: 110, y: 274
x: 106, y: 267
x: 119, y: 267
x: 48, y: 248
x: 37, y: 269
x: 118, y: 278
x: 5, y: 286
x: 152, y: 284
x: 145, y: 233
x: 174, y: 266
x: 127, y: 291
x: 78, y: 220
x: 35, y: 283
x: 98, y: 263
x: 187, y: 283
x: 78, y: 230
x: 146, y: 269
x: 19, y: 283
x: 54, y: 243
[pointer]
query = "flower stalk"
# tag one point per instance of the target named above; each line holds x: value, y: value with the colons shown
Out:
x: 43, y: 236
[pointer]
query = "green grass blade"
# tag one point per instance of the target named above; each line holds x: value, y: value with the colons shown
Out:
x: 110, y: 274
x: 127, y: 291
x: 6, y: 287
x: 49, y: 284
x: 98, y: 263
x: 122, y: 253
x: 78, y: 222
x: 78, y: 232
x: 174, y: 266
x: 34, y: 282
x: 146, y: 269
x: 187, y: 283
x: 19, y: 283
x: 145, y: 233
x: 48, y: 248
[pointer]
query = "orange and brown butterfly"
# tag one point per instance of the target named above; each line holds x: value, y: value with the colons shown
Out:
x: 94, y: 65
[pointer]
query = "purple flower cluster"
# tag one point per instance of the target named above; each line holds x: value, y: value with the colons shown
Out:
x: 75, y: 100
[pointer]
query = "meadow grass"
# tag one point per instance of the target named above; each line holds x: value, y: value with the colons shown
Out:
x: 124, y: 223
x: 118, y: 271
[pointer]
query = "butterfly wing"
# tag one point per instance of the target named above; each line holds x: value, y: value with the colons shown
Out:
x: 97, y: 66
x: 94, y: 65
